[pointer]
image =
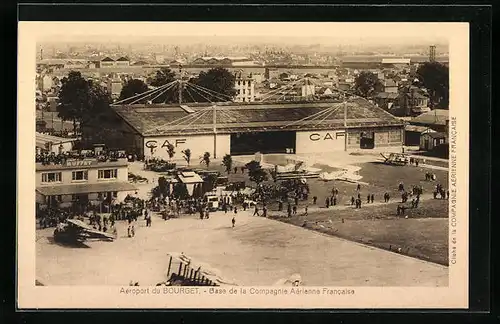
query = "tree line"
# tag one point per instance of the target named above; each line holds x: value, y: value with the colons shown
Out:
x: 87, y: 104
x: 433, y: 76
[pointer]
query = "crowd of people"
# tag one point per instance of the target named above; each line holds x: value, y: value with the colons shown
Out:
x: 51, y: 158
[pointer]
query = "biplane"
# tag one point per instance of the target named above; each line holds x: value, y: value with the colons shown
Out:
x: 73, y: 230
x: 395, y: 158
x: 297, y: 170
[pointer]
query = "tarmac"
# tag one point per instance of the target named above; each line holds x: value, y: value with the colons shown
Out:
x: 257, y: 251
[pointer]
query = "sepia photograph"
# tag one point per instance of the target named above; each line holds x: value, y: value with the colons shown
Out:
x: 244, y: 161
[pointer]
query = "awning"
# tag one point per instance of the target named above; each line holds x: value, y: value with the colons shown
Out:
x: 85, y: 188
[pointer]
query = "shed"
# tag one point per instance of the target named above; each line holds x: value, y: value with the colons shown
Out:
x: 431, y: 140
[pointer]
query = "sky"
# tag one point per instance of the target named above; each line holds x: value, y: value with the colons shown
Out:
x: 300, y: 33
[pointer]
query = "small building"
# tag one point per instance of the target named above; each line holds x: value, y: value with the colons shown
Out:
x: 435, y: 120
x: 386, y: 100
x: 414, y: 133
x: 107, y: 62
x: 390, y: 86
x: 344, y: 86
x: 41, y: 125
x: 431, y: 141
x: 54, y: 144
x: 82, y: 182
x: 245, y: 88
x: 122, y: 61
x: 114, y: 87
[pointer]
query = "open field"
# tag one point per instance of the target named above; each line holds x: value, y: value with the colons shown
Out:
x: 424, y: 234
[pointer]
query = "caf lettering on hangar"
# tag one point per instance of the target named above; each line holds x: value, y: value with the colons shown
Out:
x: 154, y: 143
x: 327, y: 136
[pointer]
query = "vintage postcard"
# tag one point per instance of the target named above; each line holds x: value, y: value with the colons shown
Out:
x: 242, y: 165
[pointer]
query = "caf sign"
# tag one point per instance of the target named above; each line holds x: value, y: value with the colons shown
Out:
x: 151, y: 144
x: 316, y: 136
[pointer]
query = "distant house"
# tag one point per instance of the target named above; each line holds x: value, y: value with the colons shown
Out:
x: 413, y: 101
x: 413, y: 134
x: 387, y: 100
x: 324, y: 91
x: 107, y: 62
x: 273, y: 83
x: 140, y: 63
x: 344, y: 86
x: 53, y: 144
x: 122, y: 61
x: 431, y: 141
x: 41, y: 126
x: 390, y: 86
x: 436, y: 120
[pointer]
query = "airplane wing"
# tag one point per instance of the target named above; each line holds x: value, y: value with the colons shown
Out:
x: 385, y: 157
x: 89, y: 232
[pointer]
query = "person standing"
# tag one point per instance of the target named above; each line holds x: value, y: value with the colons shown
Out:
x: 358, y: 188
x: 372, y: 198
x: 305, y: 210
x: 334, y: 200
x: 233, y: 221
x: 294, y: 209
x: 352, y: 200
x: 327, y: 202
x: 264, y: 211
x: 314, y: 200
x: 368, y: 199
x: 256, y: 211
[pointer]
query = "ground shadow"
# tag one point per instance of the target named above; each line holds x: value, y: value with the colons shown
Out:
x: 79, y: 245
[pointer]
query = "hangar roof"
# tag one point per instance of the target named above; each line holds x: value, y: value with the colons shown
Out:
x: 158, y: 120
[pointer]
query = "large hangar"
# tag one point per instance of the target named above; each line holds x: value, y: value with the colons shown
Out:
x: 247, y: 128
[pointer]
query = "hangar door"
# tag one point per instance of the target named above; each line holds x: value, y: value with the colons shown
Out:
x: 264, y: 142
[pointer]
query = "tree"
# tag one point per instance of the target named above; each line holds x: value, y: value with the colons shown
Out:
x: 283, y: 76
x: 218, y: 80
x: 434, y: 76
x: 133, y: 87
x: 257, y: 175
x: 206, y: 159
x: 187, y: 155
x: 81, y: 100
x: 163, y: 186
x: 162, y: 77
x: 367, y: 85
x: 252, y: 165
x: 227, y: 161
x: 209, y: 182
x: 170, y: 150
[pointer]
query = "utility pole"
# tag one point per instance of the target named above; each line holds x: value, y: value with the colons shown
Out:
x: 345, y: 124
x: 180, y: 84
x: 215, y: 130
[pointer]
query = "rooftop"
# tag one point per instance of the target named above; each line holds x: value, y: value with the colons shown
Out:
x: 42, y: 139
x: 156, y: 120
x: 435, y: 134
x: 81, y: 164
x: 433, y: 117
x: 85, y: 188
